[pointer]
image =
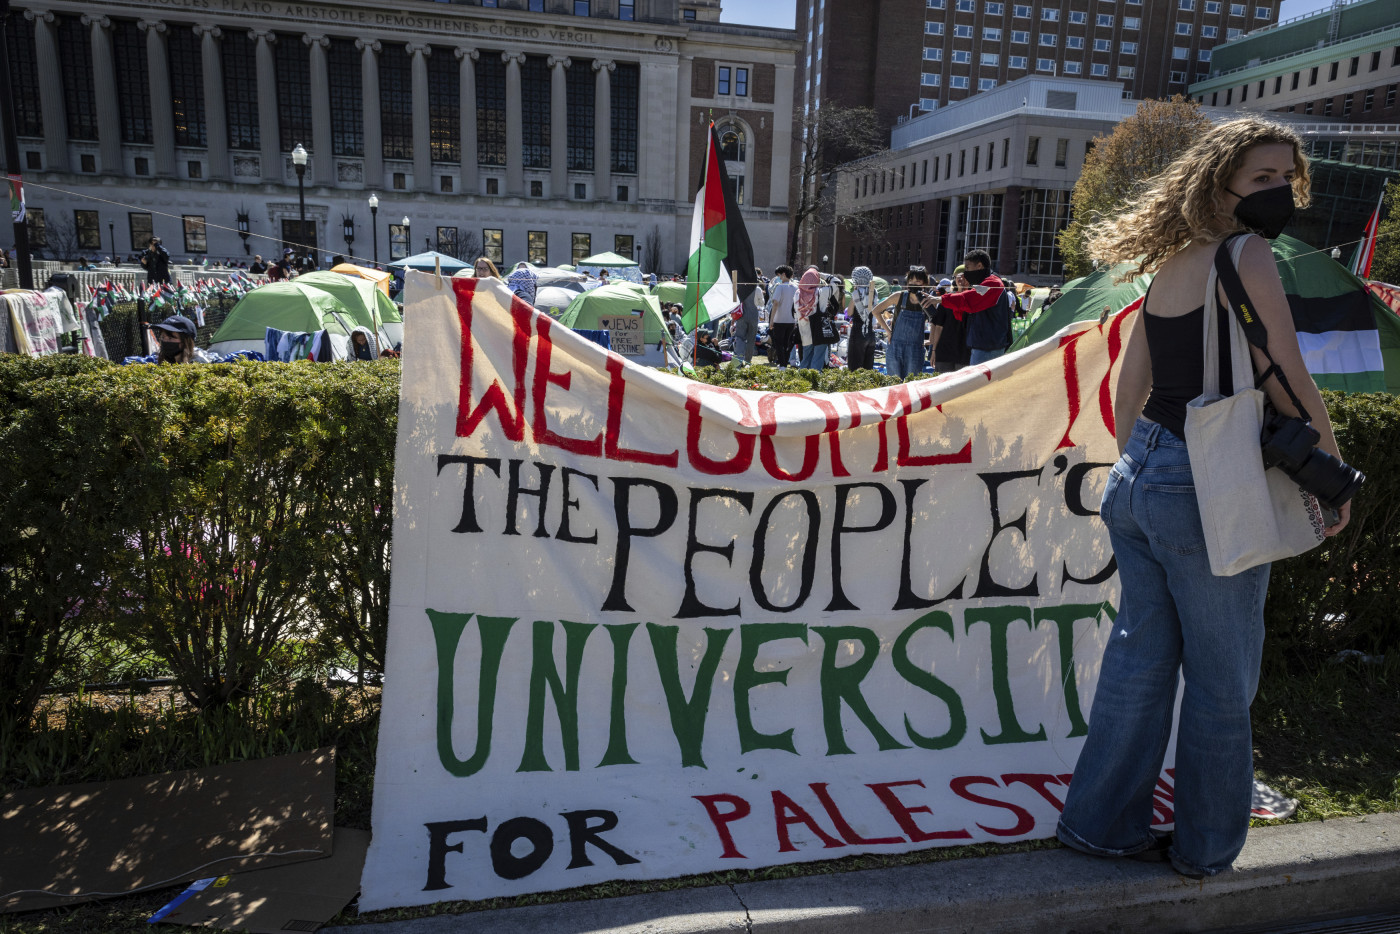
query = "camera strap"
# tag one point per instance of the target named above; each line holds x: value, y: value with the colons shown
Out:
x: 1237, y: 298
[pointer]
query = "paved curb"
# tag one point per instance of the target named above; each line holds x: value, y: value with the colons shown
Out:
x: 1285, y: 874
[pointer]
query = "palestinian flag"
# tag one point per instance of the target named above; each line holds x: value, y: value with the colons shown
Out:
x: 16, y: 199
x: 1350, y: 341
x: 722, y: 248
x: 1366, y: 249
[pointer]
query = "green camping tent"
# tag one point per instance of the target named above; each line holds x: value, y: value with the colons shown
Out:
x: 606, y: 261
x: 587, y: 310
x: 1350, y: 340
x: 287, y: 306
x: 359, y: 296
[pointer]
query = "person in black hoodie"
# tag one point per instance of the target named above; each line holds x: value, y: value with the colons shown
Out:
x: 156, y: 262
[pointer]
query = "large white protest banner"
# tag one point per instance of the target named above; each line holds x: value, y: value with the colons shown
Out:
x: 643, y: 627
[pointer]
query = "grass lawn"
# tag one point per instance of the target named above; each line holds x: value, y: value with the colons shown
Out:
x: 1329, y: 737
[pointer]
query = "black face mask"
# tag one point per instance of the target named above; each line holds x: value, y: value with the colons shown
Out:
x: 169, y: 350
x: 976, y: 276
x: 1267, y: 211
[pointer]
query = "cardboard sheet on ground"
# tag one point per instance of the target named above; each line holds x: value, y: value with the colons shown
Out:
x: 296, y: 897
x: 642, y: 627
x: 77, y: 843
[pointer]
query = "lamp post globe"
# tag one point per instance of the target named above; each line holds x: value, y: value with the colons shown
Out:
x: 374, y: 225
x: 299, y: 162
x: 407, y: 236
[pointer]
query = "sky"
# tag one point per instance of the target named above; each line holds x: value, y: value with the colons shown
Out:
x: 783, y: 13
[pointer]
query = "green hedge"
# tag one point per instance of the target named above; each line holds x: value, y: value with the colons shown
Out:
x: 230, y: 524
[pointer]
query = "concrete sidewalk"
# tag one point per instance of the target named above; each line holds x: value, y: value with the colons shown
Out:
x: 1349, y: 866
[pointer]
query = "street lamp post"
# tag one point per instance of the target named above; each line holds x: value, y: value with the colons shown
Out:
x: 112, y: 229
x: 299, y: 160
x: 407, y: 235
x: 374, y: 225
x: 347, y: 230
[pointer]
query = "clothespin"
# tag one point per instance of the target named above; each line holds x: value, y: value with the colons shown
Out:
x: 437, y: 266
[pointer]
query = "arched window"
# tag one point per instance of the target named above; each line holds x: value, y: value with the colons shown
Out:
x: 732, y: 144
x: 734, y: 150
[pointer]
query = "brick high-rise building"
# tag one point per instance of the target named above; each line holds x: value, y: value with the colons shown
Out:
x: 1154, y: 48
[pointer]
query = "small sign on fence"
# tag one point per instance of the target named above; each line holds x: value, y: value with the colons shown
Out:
x: 625, y: 332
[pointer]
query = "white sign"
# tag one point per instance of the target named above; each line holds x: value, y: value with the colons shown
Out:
x: 625, y: 333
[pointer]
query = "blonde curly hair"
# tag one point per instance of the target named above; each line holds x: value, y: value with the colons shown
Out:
x: 1183, y: 202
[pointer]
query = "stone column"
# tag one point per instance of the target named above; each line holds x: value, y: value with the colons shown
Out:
x: 685, y: 126
x: 1008, y: 247
x: 162, y: 111
x: 422, y: 119
x: 602, y: 135
x: 467, y: 78
x: 215, y: 114
x: 374, y: 131
x: 558, y: 127
x: 322, y: 148
x: 104, y: 80
x: 780, y: 192
x: 515, y: 135
x: 51, y: 90
x: 269, y: 131
x: 952, y: 258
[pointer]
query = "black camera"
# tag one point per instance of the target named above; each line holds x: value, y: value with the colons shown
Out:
x: 1290, y: 444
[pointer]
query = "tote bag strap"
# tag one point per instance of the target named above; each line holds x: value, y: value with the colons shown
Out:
x: 1227, y: 365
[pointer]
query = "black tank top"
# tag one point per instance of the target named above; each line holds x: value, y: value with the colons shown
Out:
x: 1178, y: 360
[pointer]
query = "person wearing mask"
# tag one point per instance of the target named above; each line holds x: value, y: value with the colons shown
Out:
x: 862, y: 338
x: 985, y: 306
x: 808, y: 308
x: 156, y: 261
x: 175, y: 337
x: 905, y: 352
x: 782, y: 324
x: 1178, y: 623
x: 948, y: 340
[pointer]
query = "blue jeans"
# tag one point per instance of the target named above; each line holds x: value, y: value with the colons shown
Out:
x: 984, y: 356
x: 1175, y: 616
x: 814, y: 356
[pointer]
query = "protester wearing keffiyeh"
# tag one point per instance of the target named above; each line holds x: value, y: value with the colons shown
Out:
x: 862, y: 295
x: 522, y: 282
x: 807, y: 292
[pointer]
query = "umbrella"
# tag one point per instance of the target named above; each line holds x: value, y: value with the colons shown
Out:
x: 380, y: 279
x: 428, y: 262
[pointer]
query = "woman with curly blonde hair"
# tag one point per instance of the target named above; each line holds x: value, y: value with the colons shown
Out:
x: 1177, y: 619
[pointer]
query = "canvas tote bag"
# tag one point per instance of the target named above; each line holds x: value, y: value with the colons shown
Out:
x: 1250, y: 515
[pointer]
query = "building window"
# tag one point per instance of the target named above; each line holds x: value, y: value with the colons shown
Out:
x: 536, y: 188
x: 537, y: 247
x: 141, y: 230
x: 133, y: 84
x: 445, y: 184
x: 1183, y: 29
x: 195, y: 239
x: 580, y: 191
x: 75, y: 64
x: 1099, y: 71
x: 688, y: 15
x: 1237, y: 9
x: 1072, y: 68
x: 398, y: 241
x: 724, y: 79
x: 622, y: 245
x: 89, y: 230
x: 186, y: 86
x: 1049, y: 39
x: 991, y: 35
x: 1005, y: 150
x: 581, y: 247
x: 534, y: 98
x: 1127, y: 48
x: 1312, y: 76
x: 741, y: 82
x: 1033, y: 150
x: 991, y: 59
x: 1044, y: 213
x: 39, y: 228
x: 400, y: 181
x: 626, y: 11
x: 293, y: 59
x: 1020, y: 36
x: 1104, y: 19
x: 933, y: 55
x: 194, y: 169
x: 937, y: 4
x: 1180, y: 53
x: 1178, y: 77
x: 1351, y: 69
x: 1186, y: 5
x: 930, y: 80
x: 1332, y: 72
x: 1061, y: 153
x: 240, y: 90
x: 1209, y: 32
x: 581, y: 91
x: 444, y: 108
x: 1375, y: 61
x: 966, y: 6
x: 492, y: 245
x: 1212, y: 7
x: 346, y: 98
x: 1126, y: 71
x: 1262, y: 12
x: 1049, y: 15
x: 986, y: 84
x: 491, y: 110
x: 1346, y: 106
x: 995, y: 9
x: 1102, y: 45
x: 933, y: 29
x: 1017, y: 61
x: 962, y: 32
x: 582, y: 8
x: 1022, y: 11
x: 962, y: 57
x: 962, y: 162
x: 1045, y: 64
x: 141, y: 164
x: 1074, y: 42
x: 1278, y: 85
x: 396, y: 101
x: 1131, y: 22
x: 536, y: 6
x: 1390, y: 97
x: 1203, y: 55
x: 447, y: 241
x: 24, y: 78
x: 959, y: 82
x: 1327, y: 107
x: 1293, y: 84
x: 493, y: 186
x: 625, y: 98
x: 1308, y: 107
x: 1079, y: 17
